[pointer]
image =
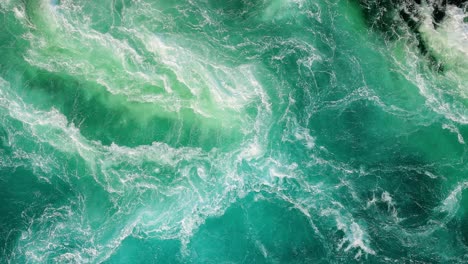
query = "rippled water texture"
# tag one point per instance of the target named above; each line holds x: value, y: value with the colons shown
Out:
x: 237, y: 131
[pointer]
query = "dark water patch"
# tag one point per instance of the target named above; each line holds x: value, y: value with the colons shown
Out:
x: 401, y: 203
x: 236, y: 8
x: 238, y: 235
x: 24, y: 197
x: 414, y: 193
x: 462, y: 218
x: 139, y: 251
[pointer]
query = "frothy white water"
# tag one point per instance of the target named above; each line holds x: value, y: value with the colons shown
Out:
x: 449, y: 41
x: 451, y: 204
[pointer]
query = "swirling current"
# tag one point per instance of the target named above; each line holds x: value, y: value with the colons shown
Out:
x: 237, y: 131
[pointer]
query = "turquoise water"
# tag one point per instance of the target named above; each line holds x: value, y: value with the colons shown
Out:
x: 238, y: 131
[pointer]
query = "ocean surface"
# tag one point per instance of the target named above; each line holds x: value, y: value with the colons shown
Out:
x: 235, y: 131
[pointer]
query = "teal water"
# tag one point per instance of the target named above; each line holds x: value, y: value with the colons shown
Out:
x: 238, y: 131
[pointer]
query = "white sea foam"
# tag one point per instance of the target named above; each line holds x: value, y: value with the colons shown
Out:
x: 449, y: 39
x: 391, y: 206
x: 451, y: 204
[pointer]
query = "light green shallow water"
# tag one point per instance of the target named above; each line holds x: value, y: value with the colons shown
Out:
x: 239, y: 131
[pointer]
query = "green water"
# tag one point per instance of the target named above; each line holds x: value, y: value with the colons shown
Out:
x: 237, y: 131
